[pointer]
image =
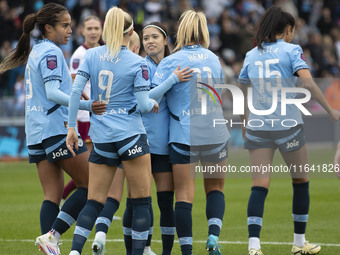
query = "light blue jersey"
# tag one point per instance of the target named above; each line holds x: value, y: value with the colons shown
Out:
x: 45, y: 118
x: 157, y: 125
x: 187, y: 123
x: 114, y: 81
x: 274, y: 66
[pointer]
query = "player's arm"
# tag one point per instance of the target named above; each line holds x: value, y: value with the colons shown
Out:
x: 177, y: 76
x: 74, y: 71
x: 74, y: 102
x: 146, y: 104
x: 141, y: 90
x: 308, y: 83
x: 54, y: 94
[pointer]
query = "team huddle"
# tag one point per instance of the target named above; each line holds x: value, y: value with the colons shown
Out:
x: 145, y: 118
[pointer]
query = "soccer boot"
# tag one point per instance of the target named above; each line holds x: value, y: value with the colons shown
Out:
x: 307, y: 249
x: 149, y: 253
x: 212, y: 245
x: 48, y: 244
x: 98, y: 247
x: 255, y: 252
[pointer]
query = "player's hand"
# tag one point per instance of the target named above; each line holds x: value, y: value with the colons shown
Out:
x: 155, y: 108
x: 98, y: 107
x: 334, y: 115
x: 72, y: 140
x: 84, y: 96
x: 183, y: 75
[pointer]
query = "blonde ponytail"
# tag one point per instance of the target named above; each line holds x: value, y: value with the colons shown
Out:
x: 117, y: 23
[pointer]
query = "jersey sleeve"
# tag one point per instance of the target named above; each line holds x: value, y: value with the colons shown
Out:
x: 51, y: 65
x: 74, y: 64
x: 84, y: 69
x: 297, y: 58
x: 243, y: 78
x: 163, y: 71
x: 142, y: 79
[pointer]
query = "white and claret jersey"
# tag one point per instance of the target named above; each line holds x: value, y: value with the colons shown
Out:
x: 157, y: 125
x: 75, y: 61
x: 188, y: 123
x: 115, y: 80
x: 272, y: 67
x: 45, y: 118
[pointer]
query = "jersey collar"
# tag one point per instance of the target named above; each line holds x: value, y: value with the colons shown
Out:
x: 86, y: 48
x: 191, y: 47
x: 46, y: 40
x: 151, y: 60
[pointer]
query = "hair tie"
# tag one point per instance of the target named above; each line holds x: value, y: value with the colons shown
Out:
x: 151, y: 25
x: 128, y: 29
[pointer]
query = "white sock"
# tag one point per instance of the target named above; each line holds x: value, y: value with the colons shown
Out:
x: 254, y: 243
x: 147, y: 249
x: 101, y: 236
x: 299, y: 239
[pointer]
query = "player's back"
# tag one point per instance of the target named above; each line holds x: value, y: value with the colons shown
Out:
x: 205, y: 65
x: 114, y: 81
x: 184, y: 99
x: 269, y: 70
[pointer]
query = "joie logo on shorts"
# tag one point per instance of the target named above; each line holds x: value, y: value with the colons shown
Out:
x: 59, y: 153
x: 135, y: 150
x: 223, y: 154
x: 292, y: 144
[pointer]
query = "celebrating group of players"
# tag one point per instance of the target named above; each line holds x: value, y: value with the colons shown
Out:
x: 147, y: 119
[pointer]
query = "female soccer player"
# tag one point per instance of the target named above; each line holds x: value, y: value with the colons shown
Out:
x: 270, y: 69
x: 156, y: 144
x: 123, y: 83
x: 92, y: 31
x: 48, y: 83
x: 192, y: 137
x: 155, y: 39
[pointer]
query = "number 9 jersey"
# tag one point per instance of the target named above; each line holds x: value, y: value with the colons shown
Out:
x: 114, y: 81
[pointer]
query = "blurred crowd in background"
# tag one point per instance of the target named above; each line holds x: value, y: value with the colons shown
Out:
x: 231, y: 26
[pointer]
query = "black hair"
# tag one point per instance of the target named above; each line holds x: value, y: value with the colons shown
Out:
x: 163, y: 31
x: 273, y: 22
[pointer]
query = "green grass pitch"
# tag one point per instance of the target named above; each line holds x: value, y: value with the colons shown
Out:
x: 21, y: 197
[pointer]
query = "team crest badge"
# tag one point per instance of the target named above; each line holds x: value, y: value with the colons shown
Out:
x: 145, y: 72
x: 80, y: 142
x: 51, y: 62
x: 75, y: 63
